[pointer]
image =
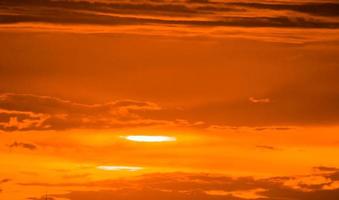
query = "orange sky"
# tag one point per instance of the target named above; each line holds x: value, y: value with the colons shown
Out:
x: 170, y: 100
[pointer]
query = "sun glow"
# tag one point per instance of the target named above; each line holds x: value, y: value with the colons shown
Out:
x: 149, y: 138
x: 119, y: 168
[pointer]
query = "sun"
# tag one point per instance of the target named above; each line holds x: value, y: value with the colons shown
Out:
x: 149, y: 138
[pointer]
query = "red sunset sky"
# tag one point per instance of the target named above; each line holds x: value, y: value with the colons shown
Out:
x: 169, y: 99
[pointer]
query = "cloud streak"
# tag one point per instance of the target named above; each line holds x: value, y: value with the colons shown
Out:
x: 179, y: 16
x: 23, y: 145
x: 25, y: 112
x: 208, y: 187
x: 30, y: 112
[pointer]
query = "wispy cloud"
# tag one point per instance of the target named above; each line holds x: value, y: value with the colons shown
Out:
x: 209, y: 187
x: 30, y: 112
x: 197, y: 16
x: 266, y: 147
x: 23, y: 145
x: 24, y: 112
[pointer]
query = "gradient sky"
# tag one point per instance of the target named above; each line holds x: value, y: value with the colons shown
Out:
x: 169, y: 99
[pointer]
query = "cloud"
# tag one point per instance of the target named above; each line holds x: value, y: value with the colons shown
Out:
x: 201, y: 186
x: 6, y: 180
x: 22, y: 112
x: 314, y: 8
x: 55, y: 106
x: 3, y: 181
x: 193, y: 17
x: 198, y: 1
x: 266, y: 147
x: 30, y: 112
x: 23, y: 145
x: 326, y: 169
x: 247, y: 194
x: 94, y: 19
x: 41, y: 198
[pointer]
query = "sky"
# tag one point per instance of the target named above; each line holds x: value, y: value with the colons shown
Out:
x: 169, y: 99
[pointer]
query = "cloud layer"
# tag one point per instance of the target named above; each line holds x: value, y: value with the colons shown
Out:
x: 321, y: 184
x: 23, y: 112
x: 178, y: 16
x: 30, y: 112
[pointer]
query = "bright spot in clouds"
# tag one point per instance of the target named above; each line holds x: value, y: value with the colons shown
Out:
x: 119, y: 168
x: 149, y: 138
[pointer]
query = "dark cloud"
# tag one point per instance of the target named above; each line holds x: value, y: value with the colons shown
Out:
x: 30, y: 112
x: 13, y: 120
x: 3, y: 181
x: 41, y: 198
x: 198, y: 195
x: 273, y: 128
x: 326, y: 169
x: 85, y: 12
x: 283, y: 193
x: 23, y: 145
x: 198, y: 1
x: 317, y: 8
x: 6, y: 180
x: 54, y: 106
x: 76, y: 18
x: 113, y: 6
x: 148, y: 194
x: 206, y: 187
x: 266, y: 147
